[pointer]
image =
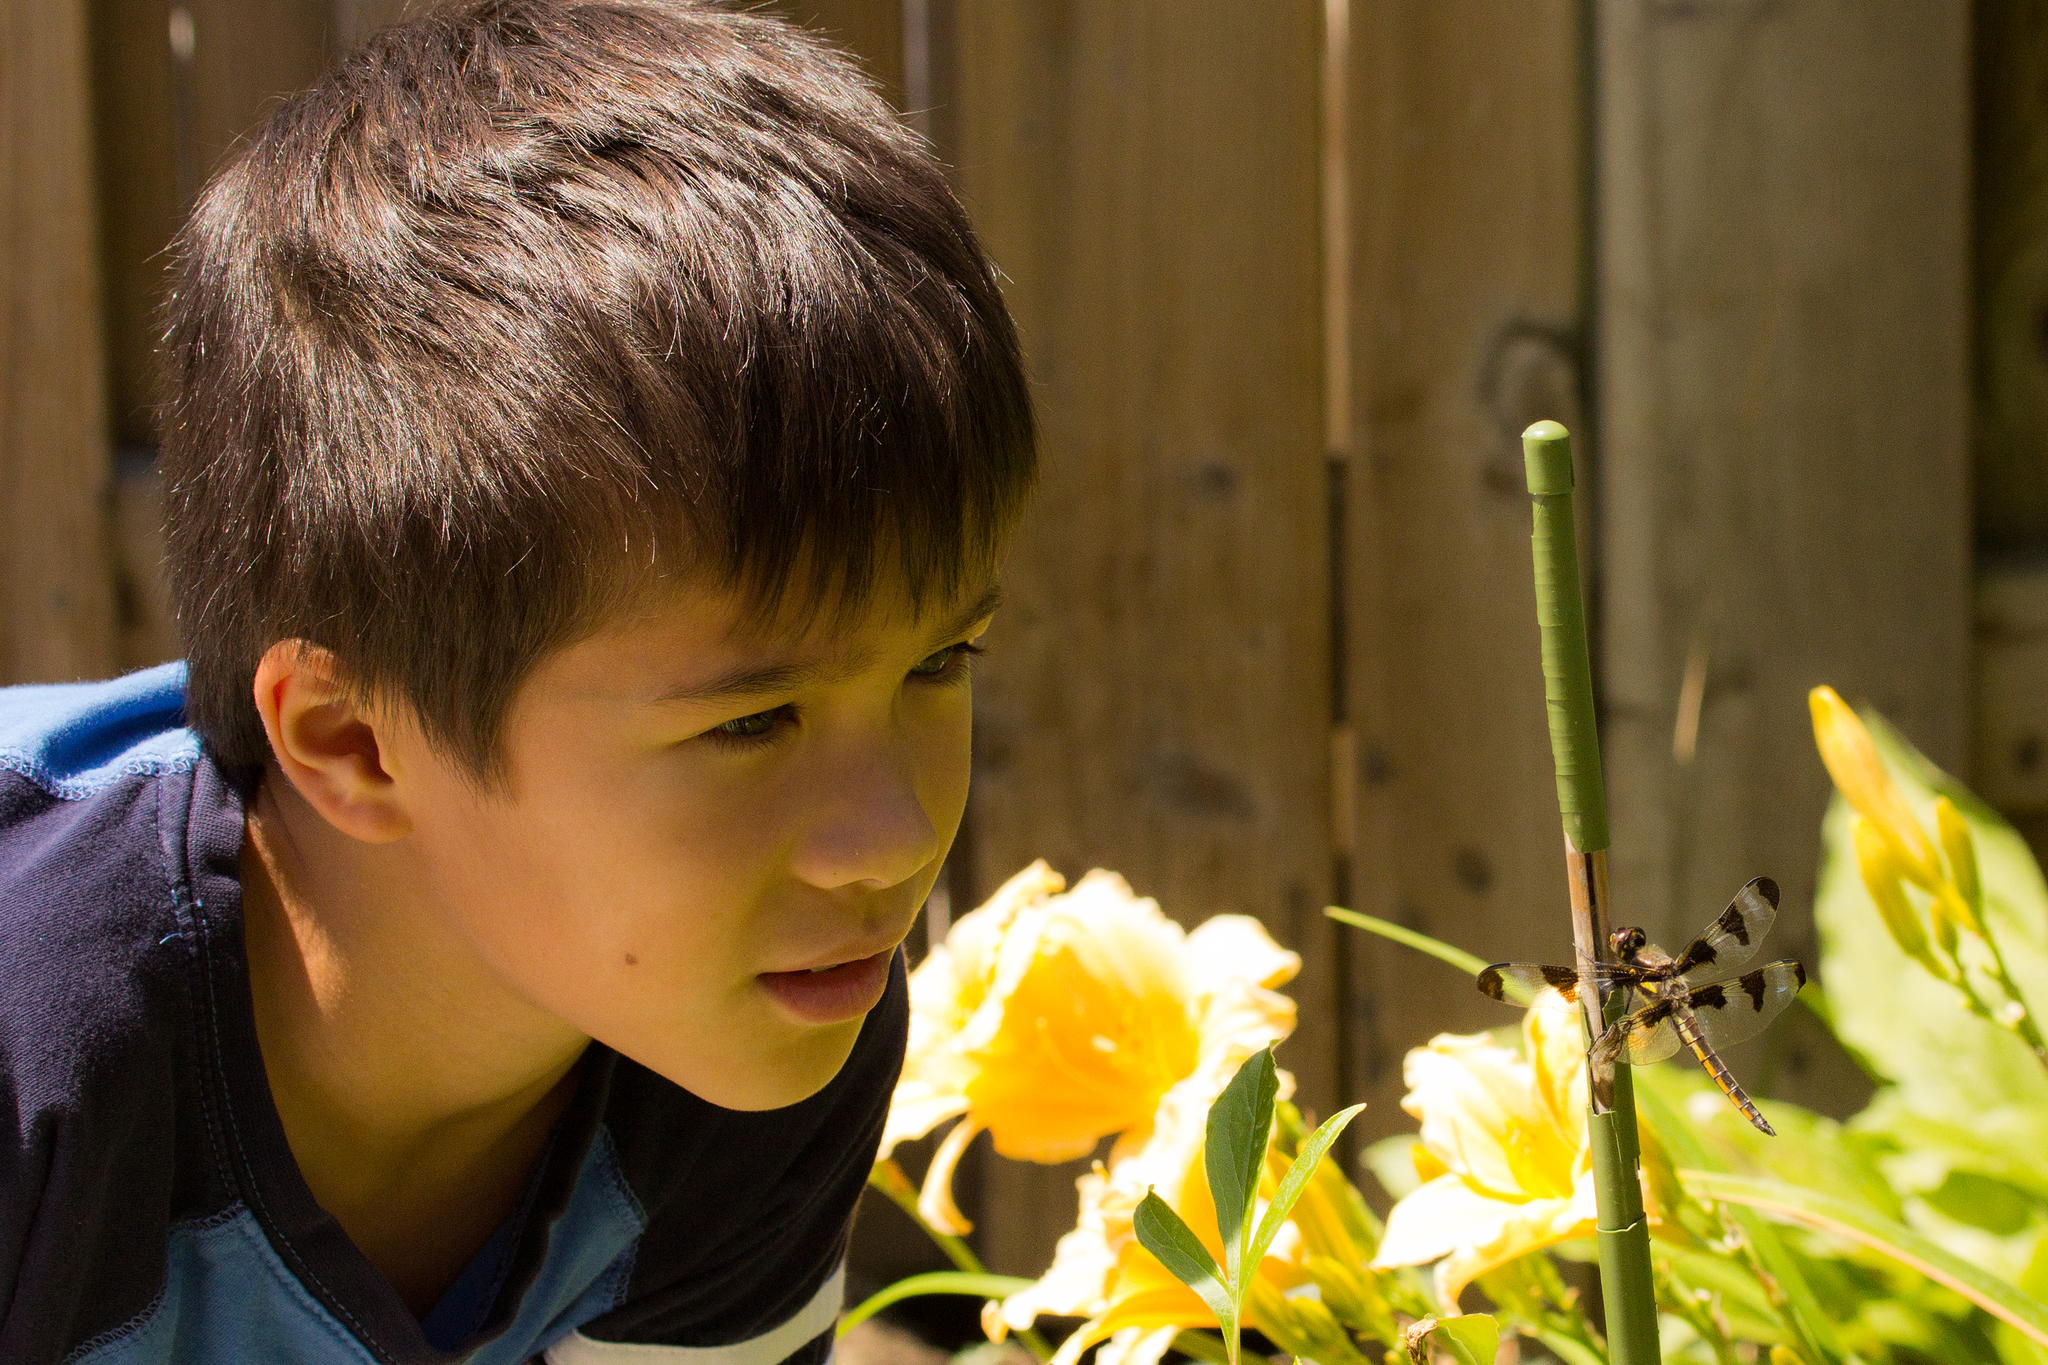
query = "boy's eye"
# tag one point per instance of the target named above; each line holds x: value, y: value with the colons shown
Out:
x: 949, y: 665
x: 748, y: 729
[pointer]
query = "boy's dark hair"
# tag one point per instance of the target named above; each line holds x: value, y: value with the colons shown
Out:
x: 530, y: 296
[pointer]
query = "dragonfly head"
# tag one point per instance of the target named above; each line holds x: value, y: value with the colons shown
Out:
x: 1627, y: 942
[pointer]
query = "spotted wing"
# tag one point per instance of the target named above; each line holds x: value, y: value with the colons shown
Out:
x: 1649, y: 1035
x: 1525, y: 983
x: 1735, y: 937
x: 1733, y: 1011
x: 1727, y: 1013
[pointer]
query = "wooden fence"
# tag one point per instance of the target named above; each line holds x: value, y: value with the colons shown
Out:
x: 1291, y: 278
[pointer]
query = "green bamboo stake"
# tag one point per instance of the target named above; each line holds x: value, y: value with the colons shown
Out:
x: 1623, y: 1231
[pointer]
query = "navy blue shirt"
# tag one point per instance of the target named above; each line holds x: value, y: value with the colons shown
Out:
x: 150, y: 1209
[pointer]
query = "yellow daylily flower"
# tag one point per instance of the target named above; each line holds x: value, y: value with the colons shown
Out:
x: 1053, y: 1018
x: 1503, y: 1151
x: 1859, y: 774
x: 1100, y: 1271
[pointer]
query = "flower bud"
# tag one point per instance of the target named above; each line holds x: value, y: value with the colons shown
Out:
x: 1944, y: 913
x: 1878, y: 861
x: 1859, y: 774
x: 1960, y: 850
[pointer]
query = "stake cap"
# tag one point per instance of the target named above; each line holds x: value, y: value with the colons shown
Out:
x: 1547, y: 455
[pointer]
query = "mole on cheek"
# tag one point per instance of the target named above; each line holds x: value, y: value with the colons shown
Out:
x: 632, y: 961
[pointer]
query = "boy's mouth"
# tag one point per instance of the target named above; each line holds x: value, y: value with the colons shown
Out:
x: 831, y: 995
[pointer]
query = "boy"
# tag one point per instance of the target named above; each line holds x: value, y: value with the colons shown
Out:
x: 590, y: 430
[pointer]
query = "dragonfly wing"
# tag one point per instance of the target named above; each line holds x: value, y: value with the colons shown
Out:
x: 1731, y: 1012
x: 1526, y: 983
x: 1736, y: 936
x: 1648, y: 1035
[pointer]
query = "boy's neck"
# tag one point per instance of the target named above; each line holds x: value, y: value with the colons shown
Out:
x: 415, y: 1091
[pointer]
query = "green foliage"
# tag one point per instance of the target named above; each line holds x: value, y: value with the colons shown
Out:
x: 1239, y: 1130
x: 1240, y: 1122
x: 1468, y: 1339
x: 1941, y: 1063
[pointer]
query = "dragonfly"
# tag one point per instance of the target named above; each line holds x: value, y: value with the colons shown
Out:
x: 1691, y: 1001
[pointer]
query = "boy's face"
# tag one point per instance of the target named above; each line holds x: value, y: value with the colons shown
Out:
x: 668, y: 855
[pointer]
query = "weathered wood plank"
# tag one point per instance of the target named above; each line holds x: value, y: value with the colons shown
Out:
x: 355, y: 20
x: 174, y: 86
x: 245, y: 54
x: 1783, y: 406
x: 1464, y: 183
x: 2010, y: 225
x: 56, y: 596
x: 872, y: 30
x: 2009, y: 758
x: 1158, y: 700
x: 136, y: 118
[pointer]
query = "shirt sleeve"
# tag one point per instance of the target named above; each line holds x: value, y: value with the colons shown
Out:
x: 802, y: 1339
x: 749, y: 1214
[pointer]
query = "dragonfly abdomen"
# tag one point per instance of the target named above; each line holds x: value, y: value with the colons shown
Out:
x: 1689, y: 1030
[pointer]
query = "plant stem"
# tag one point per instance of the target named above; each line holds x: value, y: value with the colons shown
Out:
x: 889, y: 1178
x: 2025, y: 1024
x: 1623, y: 1230
x: 1205, y: 1346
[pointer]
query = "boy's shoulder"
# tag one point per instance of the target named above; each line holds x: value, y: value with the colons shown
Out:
x: 97, y: 1117
x: 89, y: 925
x: 71, y: 741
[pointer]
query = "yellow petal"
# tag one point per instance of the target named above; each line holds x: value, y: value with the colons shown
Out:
x: 1089, y: 1019
x: 1554, y: 1042
x: 1137, y: 1345
x: 1232, y: 948
x: 1163, y: 1313
x: 1859, y: 774
x: 915, y: 1109
x: 1483, y: 1117
x: 1529, y: 1227
x: 1469, y: 1232
x: 935, y: 1199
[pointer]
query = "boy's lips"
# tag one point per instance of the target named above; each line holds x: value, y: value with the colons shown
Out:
x: 845, y: 954
x: 832, y: 995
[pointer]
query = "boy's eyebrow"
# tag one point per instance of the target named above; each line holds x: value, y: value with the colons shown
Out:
x: 749, y: 681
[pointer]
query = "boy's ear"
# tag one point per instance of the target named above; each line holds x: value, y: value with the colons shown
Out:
x: 334, y: 751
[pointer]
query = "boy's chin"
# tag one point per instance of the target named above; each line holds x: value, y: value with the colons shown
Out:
x: 770, y: 1078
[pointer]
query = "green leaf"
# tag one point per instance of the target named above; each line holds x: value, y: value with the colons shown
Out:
x: 1408, y: 938
x: 1947, y: 1063
x: 1294, y: 1182
x: 1808, y: 1325
x: 938, y: 1282
x: 1240, y: 1125
x: 1570, y: 1350
x: 1161, y: 1232
x: 1468, y: 1339
x: 1858, y: 1225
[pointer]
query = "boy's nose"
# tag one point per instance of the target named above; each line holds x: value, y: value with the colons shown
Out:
x: 873, y: 829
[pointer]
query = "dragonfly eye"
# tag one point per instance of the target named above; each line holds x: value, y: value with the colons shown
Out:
x: 1627, y: 942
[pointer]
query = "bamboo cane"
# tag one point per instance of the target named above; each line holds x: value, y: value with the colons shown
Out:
x: 1623, y: 1231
